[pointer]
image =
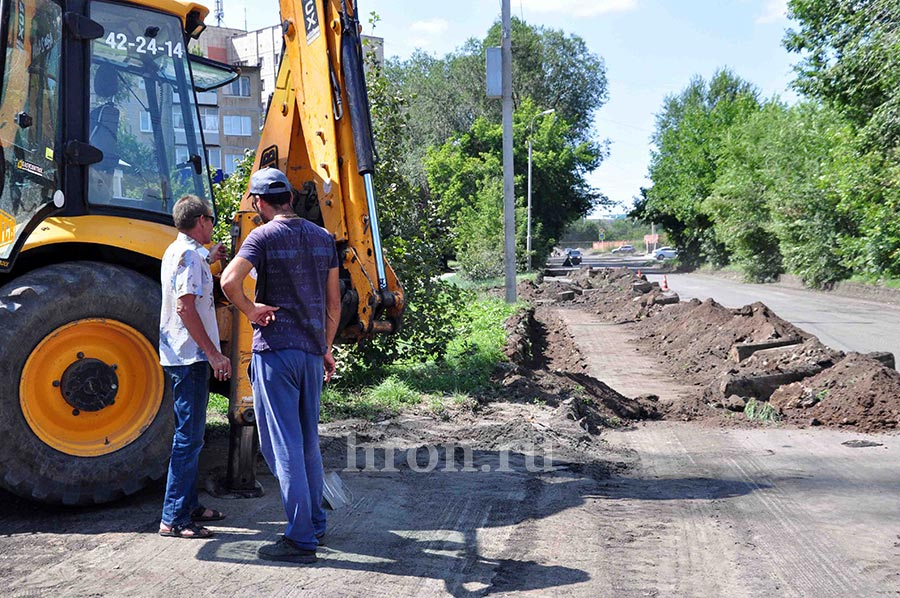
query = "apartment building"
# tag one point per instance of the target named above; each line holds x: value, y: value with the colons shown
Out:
x: 231, y: 116
x: 264, y: 47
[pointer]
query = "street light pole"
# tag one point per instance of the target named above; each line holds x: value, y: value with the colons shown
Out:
x: 528, y: 233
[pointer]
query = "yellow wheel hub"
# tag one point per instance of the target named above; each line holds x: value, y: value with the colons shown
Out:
x: 91, y: 387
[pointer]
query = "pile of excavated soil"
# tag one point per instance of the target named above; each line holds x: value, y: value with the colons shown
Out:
x: 809, y: 354
x: 696, y: 337
x: 858, y: 392
x: 807, y: 383
x: 758, y: 376
x: 545, y: 292
x: 560, y: 435
x: 616, y: 295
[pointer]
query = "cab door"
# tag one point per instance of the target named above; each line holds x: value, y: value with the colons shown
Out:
x: 30, y: 188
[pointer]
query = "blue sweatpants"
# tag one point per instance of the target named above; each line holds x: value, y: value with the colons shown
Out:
x: 287, y: 385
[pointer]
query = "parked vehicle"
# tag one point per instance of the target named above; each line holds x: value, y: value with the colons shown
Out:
x: 624, y: 249
x: 573, y: 257
x: 665, y: 253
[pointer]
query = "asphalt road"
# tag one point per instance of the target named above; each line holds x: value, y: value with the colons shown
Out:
x: 839, y: 322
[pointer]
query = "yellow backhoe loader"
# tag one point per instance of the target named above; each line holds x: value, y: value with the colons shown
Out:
x: 85, y: 216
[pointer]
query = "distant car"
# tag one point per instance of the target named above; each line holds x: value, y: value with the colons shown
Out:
x: 665, y: 253
x: 573, y: 257
x: 624, y: 249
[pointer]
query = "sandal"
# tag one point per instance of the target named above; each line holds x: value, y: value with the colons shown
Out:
x: 193, y: 531
x: 199, y: 514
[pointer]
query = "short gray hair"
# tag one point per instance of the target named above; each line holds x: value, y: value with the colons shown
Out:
x: 187, y: 210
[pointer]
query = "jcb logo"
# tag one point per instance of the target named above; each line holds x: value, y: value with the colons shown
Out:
x: 311, y: 20
x: 7, y: 229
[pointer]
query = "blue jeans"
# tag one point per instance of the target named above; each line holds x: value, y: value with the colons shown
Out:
x: 190, y: 391
x: 287, y: 385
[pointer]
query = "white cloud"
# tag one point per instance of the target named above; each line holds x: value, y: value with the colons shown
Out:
x: 431, y: 26
x: 773, y: 12
x: 580, y: 8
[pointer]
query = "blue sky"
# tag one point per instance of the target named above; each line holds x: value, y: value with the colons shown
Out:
x: 651, y: 48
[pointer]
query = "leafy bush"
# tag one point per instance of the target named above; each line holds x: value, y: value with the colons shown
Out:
x: 228, y: 195
x: 464, y: 370
x: 414, y: 237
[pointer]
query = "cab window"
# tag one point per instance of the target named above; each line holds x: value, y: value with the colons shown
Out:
x: 29, y: 114
x: 142, y: 114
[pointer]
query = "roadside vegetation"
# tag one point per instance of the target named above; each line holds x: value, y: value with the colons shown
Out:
x: 450, y: 383
x: 440, y: 385
x: 607, y: 229
x: 439, y: 186
x: 446, y: 141
x: 811, y: 189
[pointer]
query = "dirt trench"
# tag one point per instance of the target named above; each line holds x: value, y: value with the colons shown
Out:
x: 747, y: 363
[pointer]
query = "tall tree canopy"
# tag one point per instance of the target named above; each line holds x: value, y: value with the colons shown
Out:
x: 850, y: 58
x: 446, y: 95
x: 812, y: 189
x: 465, y: 177
x: 688, y: 139
x: 451, y: 147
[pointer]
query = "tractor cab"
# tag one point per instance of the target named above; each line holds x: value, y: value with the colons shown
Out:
x: 98, y: 111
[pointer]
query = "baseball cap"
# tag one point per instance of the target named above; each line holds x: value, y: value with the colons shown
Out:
x: 268, y: 181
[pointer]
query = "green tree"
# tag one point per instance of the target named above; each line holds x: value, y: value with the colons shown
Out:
x: 807, y: 148
x: 689, y: 135
x: 551, y: 69
x: 624, y: 229
x: 414, y: 244
x: 740, y: 198
x: 228, y: 195
x: 581, y: 231
x: 850, y: 58
x: 465, y: 178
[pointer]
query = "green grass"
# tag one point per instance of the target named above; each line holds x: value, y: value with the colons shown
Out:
x: 891, y: 283
x: 490, y: 283
x: 452, y: 383
x: 218, y: 404
x: 443, y: 387
x: 217, y: 415
x: 760, y: 411
x: 732, y: 268
x: 439, y: 408
x: 384, y: 399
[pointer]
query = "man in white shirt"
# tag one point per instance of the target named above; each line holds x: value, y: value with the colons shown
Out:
x: 188, y: 346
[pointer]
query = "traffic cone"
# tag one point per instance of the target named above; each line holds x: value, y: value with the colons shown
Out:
x: 665, y: 284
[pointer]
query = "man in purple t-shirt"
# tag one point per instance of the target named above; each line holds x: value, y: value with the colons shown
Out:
x: 295, y: 317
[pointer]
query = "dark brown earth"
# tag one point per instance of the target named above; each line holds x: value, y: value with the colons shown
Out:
x: 804, y: 384
x: 546, y: 366
x: 857, y: 392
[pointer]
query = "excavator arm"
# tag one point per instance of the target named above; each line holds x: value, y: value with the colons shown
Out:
x: 318, y: 132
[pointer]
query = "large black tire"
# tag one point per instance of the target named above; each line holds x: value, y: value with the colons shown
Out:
x: 32, y: 307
